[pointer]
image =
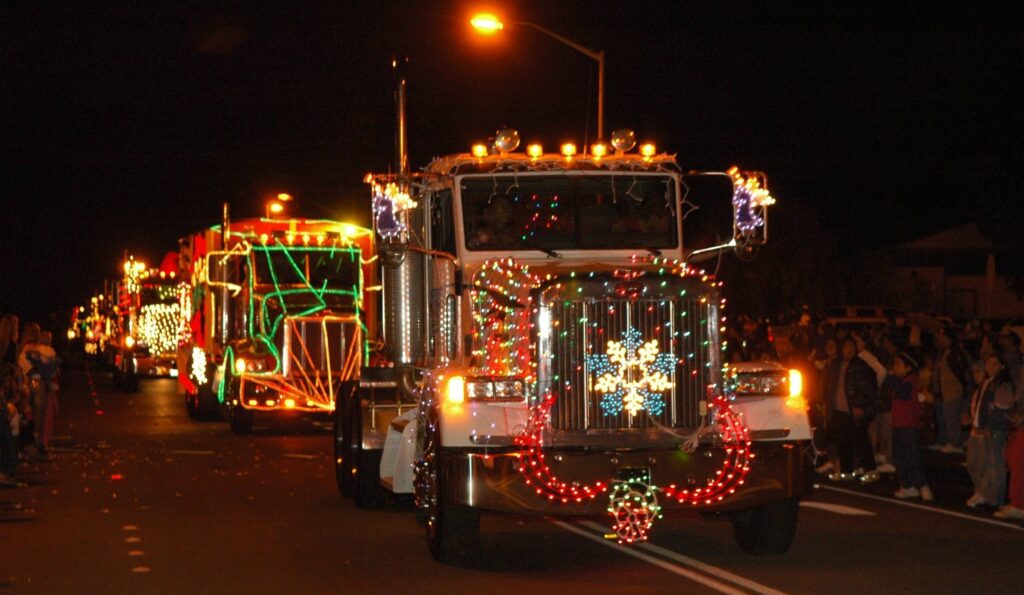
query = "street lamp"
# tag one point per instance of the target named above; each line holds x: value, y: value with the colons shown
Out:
x: 489, y: 24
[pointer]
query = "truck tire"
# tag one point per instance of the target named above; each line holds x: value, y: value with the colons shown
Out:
x: 191, y: 407
x: 767, y: 529
x: 241, y: 420
x: 343, y: 470
x: 367, y: 493
x: 453, y: 531
x: 206, y: 403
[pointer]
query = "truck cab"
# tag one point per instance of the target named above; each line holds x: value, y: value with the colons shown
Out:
x: 550, y: 350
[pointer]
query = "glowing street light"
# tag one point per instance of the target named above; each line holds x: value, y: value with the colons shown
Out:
x: 489, y: 24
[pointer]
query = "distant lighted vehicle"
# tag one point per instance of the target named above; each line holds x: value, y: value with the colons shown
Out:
x: 146, y: 342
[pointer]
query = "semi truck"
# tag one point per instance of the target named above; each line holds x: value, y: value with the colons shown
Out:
x: 273, y: 317
x: 144, y: 344
x: 550, y: 347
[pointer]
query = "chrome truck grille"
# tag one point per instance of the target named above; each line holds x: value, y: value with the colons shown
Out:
x: 576, y: 322
x: 318, y: 346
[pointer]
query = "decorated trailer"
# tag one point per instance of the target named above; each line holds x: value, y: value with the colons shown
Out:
x: 273, y: 317
x: 550, y: 348
x: 144, y: 343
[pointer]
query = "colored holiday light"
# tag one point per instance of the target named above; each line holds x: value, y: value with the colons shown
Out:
x: 749, y: 199
x: 632, y: 374
x: 634, y: 508
x: 389, y: 201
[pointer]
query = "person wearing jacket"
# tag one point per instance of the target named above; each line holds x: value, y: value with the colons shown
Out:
x: 851, y: 392
x: 990, y: 424
x: 902, y: 386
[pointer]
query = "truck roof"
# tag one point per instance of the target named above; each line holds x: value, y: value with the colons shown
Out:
x: 464, y: 163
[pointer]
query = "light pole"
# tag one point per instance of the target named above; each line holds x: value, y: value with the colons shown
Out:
x: 489, y: 24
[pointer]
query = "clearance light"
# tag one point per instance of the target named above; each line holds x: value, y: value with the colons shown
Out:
x: 305, y: 238
x: 455, y: 391
x: 488, y: 24
x: 240, y: 366
x: 535, y: 150
x: 129, y: 341
x: 599, y: 150
x: 290, y: 237
x: 276, y: 208
x: 284, y: 196
x: 648, y: 150
x: 568, y: 149
x: 479, y: 150
x: 289, y: 403
x: 349, y: 231
x: 253, y: 402
x: 264, y: 238
x: 269, y: 402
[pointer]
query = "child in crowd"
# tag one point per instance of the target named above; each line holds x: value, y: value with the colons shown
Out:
x: 990, y: 424
x: 902, y: 386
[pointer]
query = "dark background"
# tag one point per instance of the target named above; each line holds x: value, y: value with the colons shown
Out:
x: 127, y: 125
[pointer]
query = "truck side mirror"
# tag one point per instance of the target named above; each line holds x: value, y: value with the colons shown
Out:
x: 750, y: 202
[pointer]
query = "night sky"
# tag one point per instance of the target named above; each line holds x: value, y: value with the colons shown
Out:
x: 127, y: 125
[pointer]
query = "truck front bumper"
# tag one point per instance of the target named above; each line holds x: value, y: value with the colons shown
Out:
x: 779, y: 470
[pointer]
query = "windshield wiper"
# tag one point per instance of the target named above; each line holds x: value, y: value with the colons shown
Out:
x: 653, y: 251
x: 551, y: 253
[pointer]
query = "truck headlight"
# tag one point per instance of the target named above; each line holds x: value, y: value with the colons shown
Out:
x: 496, y: 390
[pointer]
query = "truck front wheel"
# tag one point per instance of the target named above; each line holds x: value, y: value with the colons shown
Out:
x: 767, y: 529
x: 453, y: 531
x: 364, y: 464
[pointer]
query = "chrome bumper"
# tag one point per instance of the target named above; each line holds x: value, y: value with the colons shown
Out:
x: 491, y: 482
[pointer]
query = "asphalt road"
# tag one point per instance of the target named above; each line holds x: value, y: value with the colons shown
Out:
x: 137, y: 498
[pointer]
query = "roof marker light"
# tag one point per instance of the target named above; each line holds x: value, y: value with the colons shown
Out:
x: 479, y: 150
x: 568, y: 149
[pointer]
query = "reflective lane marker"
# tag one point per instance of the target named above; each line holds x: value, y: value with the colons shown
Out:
x: 136, y: 553
x: 958, y: 515
x: 300, y: 456
x: 140, y: 569
x: 192, y: 452
x: 837, y: 508
x: 702, y: 566
x: 673, y: 568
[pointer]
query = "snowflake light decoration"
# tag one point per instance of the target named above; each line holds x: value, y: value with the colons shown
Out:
x: 632, y: 374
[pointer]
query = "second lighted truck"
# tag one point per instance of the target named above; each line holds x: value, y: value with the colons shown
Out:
x: 273, y: 317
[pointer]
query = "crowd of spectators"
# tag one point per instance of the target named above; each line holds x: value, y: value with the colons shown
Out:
x: 880, y: 392
x: 29, y: 381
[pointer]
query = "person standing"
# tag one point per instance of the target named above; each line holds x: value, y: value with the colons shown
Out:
x: 949, y: 385
x: 1015, y: 462
x: 902, y: 385
x: 851, y: 391
x: 990, y: 424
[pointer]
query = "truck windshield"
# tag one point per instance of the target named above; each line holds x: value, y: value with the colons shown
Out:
x: 306, y: 274
x: 158, y: 294
x: 558, y: 212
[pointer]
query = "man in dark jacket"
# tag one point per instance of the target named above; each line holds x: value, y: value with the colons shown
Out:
x: 851, y: 394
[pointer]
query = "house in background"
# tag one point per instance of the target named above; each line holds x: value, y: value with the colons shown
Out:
x: 960, y: 272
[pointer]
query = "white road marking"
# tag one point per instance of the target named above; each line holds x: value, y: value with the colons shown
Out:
x: 192, y: 452
x: 936, y: 509
x: 300, y: 456
x: 702, y: 566
x: 837, y: 508
x: 673, y: 568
